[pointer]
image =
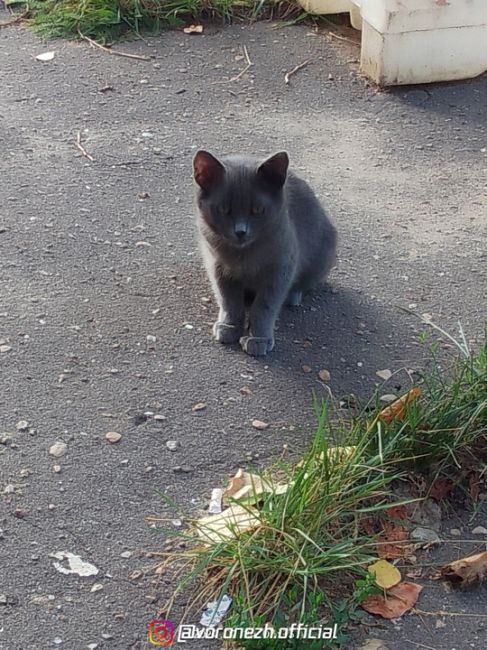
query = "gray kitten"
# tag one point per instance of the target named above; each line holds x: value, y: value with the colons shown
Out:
x: 264, y: 238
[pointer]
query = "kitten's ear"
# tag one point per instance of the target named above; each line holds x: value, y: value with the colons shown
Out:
x: 208, y: 171
x: 274, y: 169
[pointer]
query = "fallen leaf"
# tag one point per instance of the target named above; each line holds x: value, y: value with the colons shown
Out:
x: 248, y: 487
x: 467, y: 570
x: 193, y: 29
x: 474, y: 485
x: 229, y: 524
x: 200, y: 406
x: 258, y: 424
x: 396, y: 410
x: 45, y: 56
x: 396, y: 602
x: 386, y: 574
x: 440, y: 488
x: 402, y: 512
x: 388, y: 531
x: 235, y: 484
x: 384, y: 374
x: 324, y: 375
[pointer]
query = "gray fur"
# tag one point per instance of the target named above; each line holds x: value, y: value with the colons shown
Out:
x: 278, y: 254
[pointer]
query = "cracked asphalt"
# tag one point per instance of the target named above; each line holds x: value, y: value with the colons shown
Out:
x: 105, y: 312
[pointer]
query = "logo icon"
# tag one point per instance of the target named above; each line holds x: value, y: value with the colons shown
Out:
x: 161, y: 632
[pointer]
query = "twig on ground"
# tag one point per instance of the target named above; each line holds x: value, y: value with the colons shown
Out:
x: 79, y: 146
x: 14, y: 20
x: 127, y: 55
x: 294, y: 70
x: 343, y: 38
x: 442, y: 612
x: 241, y: 73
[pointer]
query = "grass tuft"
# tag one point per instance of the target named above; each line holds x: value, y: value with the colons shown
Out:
x: 304, y: 560
x: 108, y: 20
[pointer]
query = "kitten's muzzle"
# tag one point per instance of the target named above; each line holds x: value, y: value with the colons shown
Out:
x: 241, y: 232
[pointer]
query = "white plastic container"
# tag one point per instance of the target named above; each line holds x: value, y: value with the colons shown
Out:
x: 421, y: 41
x: 416, y: 41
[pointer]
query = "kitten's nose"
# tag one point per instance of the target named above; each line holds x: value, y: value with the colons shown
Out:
x: 240, y: 231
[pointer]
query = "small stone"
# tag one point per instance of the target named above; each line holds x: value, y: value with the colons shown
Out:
x: 106, y: 636
x: 126, y: 554
x: 324, y: 375
x: 200, y: 406
x: 182, y: 469
x: 96, y: 587
x: 58, y: 449
x: 426, y: 535
x: 151, y: 338
x: 56, y: 469
x: 439, y: 624
x: 306, y: 368
x: 113, y: 436
x: 57, y: 641
x: 388, y: 398
x: 3, y: 599
x: 19, y: 513
x: 5, y: 348
x: 374, y: 644
x: 160, y: 418
x: 258, y: 424
x: 455, y: 532
x: 172, y: 445
x: 135, y: 575
x: 246, y: 390
x: 479, y: 530
x: 92, y: 646
x: 22, y: 425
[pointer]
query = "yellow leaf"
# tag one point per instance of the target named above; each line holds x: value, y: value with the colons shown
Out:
x: 386, y: 574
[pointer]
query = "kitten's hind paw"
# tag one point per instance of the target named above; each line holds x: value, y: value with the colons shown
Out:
x: 226, y: 333
x: 294, y: 298
x: 256, y: 346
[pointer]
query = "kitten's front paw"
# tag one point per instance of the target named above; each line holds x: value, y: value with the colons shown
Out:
x: 256, y: 346
x: 226, y: 333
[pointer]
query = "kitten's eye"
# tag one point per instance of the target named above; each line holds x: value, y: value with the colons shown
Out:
x: 258, y: 209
